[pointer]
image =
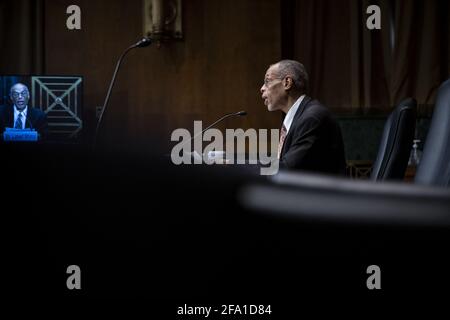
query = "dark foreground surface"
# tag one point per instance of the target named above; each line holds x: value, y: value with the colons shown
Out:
x: 149, y: 233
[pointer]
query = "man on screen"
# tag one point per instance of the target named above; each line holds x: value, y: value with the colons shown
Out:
x: 20, y: 116
x: 310, y: 138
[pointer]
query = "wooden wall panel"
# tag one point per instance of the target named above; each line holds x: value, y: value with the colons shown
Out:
x: 217, y: 68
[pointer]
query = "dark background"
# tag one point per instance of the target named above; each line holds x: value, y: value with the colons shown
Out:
x: 219, y: 65
x: 142, y: 229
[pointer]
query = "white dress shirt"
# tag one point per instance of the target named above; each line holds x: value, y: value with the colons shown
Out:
x: 24, y: 116
x: 291, y: 113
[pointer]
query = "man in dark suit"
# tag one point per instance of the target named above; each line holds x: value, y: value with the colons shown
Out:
x: 310, y: 138
x: 20, y: 116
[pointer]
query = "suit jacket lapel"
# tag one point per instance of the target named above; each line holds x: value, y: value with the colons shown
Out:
x: 300, y: 110
x: 29, y: 118
x: 10, y: 116
x: 298, y: 114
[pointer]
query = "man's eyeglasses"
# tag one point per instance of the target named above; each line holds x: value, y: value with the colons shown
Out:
x: 268, y: 81
x: 15, y: 95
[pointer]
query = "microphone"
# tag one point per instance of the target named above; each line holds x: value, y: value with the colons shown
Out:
x: 144, y: 42
x: 235, y: 114
x: 241, y: 113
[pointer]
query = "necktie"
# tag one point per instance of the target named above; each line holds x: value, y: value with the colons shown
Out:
x: 19, y: 124
x: 282, y: 137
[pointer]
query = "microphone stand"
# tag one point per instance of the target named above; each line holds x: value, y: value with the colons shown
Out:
x: 140, y: 44
x: 240, y: 113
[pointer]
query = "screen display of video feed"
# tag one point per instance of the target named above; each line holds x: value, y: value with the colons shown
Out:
x: 59, y: 98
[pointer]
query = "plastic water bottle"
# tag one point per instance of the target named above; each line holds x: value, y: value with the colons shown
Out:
x: 416, y: 154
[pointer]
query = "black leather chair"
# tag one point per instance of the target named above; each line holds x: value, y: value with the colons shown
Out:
x: 396, y: 142
x: 434, y: 167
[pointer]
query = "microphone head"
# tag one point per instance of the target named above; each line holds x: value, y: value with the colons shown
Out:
x: 241, y: 113
x: 144, y: 42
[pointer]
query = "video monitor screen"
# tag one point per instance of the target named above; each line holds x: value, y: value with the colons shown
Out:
x: 59, y: 97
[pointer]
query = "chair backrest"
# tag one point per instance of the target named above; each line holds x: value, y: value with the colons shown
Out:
x: 434, y: 167
x: 396, y: 142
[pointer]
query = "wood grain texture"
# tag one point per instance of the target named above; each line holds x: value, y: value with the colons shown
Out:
x: 217, y: 68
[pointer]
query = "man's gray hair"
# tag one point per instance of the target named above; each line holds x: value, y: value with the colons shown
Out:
x: 17, y: 84
x: 296, y: 70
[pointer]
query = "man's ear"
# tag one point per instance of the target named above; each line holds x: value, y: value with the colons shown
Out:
x: 288, y: 83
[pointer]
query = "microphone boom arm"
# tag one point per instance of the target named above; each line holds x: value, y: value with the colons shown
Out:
x: 212, y: 125
x: 240, y: 113
x: 142, y: 43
